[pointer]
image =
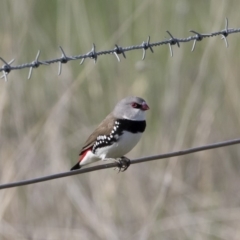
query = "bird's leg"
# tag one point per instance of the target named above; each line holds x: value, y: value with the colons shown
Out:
x: 123, y: 164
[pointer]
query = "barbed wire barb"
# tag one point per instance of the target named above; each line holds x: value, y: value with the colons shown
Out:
x: 225, y: 40
x: 146, y: 45
x: 6, y: 68
x: 172, y: 41
x: 93, y: 54
x: 116, y: 55
x: 225, y: 34
x: 198, y: 37
x: 81, y: 62
x: 64, y: 59
x: 119, y: 50
x: 35, y: 64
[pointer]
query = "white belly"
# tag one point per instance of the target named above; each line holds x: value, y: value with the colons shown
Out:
x: 125, y: 144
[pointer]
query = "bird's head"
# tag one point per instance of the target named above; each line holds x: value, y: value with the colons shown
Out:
x: 132, y: 108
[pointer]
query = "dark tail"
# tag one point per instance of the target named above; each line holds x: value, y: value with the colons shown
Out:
x: 76, y: 167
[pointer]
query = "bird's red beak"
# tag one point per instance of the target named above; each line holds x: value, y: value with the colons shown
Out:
x: 144, y: 106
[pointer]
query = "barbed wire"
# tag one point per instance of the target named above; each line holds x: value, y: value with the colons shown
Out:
x: 118, y: 50
x: 116, y: 164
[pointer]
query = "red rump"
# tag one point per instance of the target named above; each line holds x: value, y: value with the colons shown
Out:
x: 83, y: 154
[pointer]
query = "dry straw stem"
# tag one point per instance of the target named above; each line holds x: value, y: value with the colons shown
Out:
x: 115, y: 164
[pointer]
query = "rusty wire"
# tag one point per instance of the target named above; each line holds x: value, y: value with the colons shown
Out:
x: 118, y: 50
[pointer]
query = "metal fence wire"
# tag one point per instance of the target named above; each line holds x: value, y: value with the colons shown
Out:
x: 117, y: 50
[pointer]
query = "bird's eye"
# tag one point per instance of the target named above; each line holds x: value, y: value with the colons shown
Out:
x: 136, y: 105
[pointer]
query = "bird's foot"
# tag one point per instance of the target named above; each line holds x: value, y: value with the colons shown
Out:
x: 123, y: 164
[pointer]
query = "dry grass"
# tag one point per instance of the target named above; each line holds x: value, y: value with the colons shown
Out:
x: 194, y: 100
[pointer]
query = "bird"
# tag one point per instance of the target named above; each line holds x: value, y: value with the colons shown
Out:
x: 116, y: 135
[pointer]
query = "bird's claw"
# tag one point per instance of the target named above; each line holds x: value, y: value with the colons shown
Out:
x: 123, y: 164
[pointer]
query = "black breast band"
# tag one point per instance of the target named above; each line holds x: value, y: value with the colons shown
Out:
x: 132, y: 126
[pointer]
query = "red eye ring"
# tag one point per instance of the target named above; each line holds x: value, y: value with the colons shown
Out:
x: 135, y: 105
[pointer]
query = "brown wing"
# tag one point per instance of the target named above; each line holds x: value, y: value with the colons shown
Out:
x: 104, y: 128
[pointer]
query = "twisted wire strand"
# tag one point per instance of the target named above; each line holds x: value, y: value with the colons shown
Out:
x: 118, y: 50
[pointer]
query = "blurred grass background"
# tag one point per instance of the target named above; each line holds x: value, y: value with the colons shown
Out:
x: 194, y: 100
